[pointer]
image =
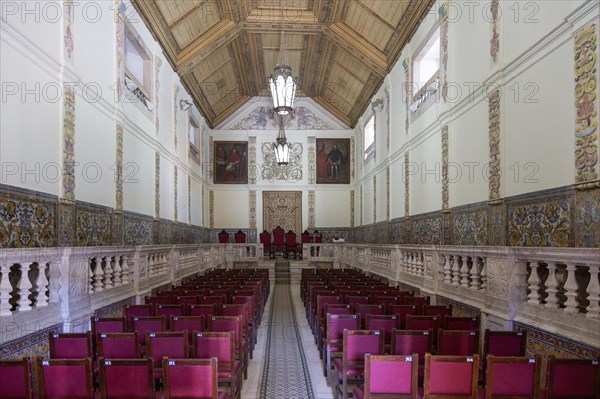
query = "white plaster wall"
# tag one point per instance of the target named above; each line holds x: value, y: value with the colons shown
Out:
x: 138, y: 176
x: 381, y: 195
x: 182, y: 197
x: 332, y: 208
x: 196, y: 207
x: 468, y: 154
x: 28, y: 142
x: 167, y: 189
x: 426, y: 175
x: 95, y: 140
x: 368, y: 201
x: 231, y: 208
x: 397, y: 188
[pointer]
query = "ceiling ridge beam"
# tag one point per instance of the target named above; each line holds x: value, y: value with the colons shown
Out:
x: 186, y: 14
x: 377, y: 16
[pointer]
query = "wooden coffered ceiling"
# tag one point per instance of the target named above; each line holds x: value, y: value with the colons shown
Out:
x: 340, y: 50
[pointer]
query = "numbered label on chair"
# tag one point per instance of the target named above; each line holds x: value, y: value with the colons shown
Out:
x: 409, y: 359
x: 425, y: 332
x: 107, y: 363
x: 135, y: 319
x: 594, y: 362
x: 532, y: 361
x: 175, y: 318
x: 152, y: 335
x: 54, y: 335
x: 469, y: 360
x: 377, y: 332
x: 519, y: 334
x: 45, y: 363
x: 472, y: 333
x: 171, y: 363
x: 394, y: 317
x: 102, y: 335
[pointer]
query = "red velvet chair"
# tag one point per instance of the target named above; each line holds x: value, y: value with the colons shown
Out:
x: 173, y: 345
x: 240, y: 237
x: 443, y: 310
x: 223, y: 237
x: 424, y: 323
x: 70, y: 345
x: 278, y: 240
x: 65, y: 378
x: 290, y: 243
x: 206, y: 309
x: 126, y: 378
x: 265, y: 240
x: 351, y: 365
x: 135, y: 310
x: 191, y: 378
x: 191, y: 324
x: 420, y: 301
x: 572, y: 378
x: 462, y: 323
x: 504, y: 343
x: 385, y: 323
x: 457, y: 342
x: 119, y: 345
x: 451, y: 377
x: 512, y: 377
x: 407, y: 342
x: 222, y: 346
x: 107, y: 325
x: 232, y: 323
x: 364, y: 310
x: 16, y: 379
x: 333, y: 342
x: 389, y: 377
x: 168, y: 311
x: 402, y: 311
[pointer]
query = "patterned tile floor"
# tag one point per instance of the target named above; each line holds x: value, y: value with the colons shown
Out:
x: 286, y: 362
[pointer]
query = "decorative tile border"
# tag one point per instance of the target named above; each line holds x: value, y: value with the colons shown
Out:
x: 252, y: 167
x: 312, y: 160
x: 211, y: 212
x: 68, y: 15
x: 445, y: 182
x: 68, y: 176
x: 495, y: 40
x: 375, y: 199
x: 311, y: 209
x: 252, y: 209
x: 387, y: 91
x: 587, y: 219
x: 407, y: 91
x: 175, y: 204
x: 93, y: 225
x: 470, y: 227
x: 586, y: 106
x: 494, y: 143
x: 120, y: 9
x: 352, y: 194
x: 33, y: 345
x: 119, y: 168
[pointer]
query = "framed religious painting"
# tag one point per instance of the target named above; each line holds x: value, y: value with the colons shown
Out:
x: 230, y: 162
x: 333, y: 161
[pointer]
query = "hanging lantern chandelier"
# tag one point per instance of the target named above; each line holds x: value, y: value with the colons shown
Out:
x: 282, y: 84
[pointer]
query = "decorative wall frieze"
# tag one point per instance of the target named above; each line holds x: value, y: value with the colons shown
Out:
x: 157, y: 65
x: 252, y: 167
x: 68, y: 18
x: 175, y: 199
x: 157, y: 185
x: 586, y: 107
x: 445, y: 182
x: 68, y: 138
x: 211, y: 209
x: 271, y: 171
x: 406, y: 185
x: 120, y: 9
x: 312, y: 160
x: 407, y: 92
x: 252, y: 209
x: 495, y: 40
x: 311, y: 209
x: 352, y: 194
x: 119, y: 169
x: 388, y: 192
x: 443, y: 14
x: 387, y: 92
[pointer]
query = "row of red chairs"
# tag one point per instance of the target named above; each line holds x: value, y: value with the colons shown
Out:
x: 456, y: 377
x: 118, y: 378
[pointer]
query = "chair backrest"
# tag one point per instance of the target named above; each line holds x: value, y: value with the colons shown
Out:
x: 364, y: 310
x: 420, y: 301
x: 215, y: 344
x: 337, y: 308
x: 126, y: 378
x: 166, y: 344
x: 206, y: 309
x: 16, y: 379
x: 391, y: 375
x: 423, y: 323
x: 157, y: 300
x: 385, y: 323
x: 148, y: 324
x: 573, y: 378
x: 107, y: 325
x: 187, y: 300
x: 278, y: 236
x: 407, y: 342
x: 217, y: 300
x: 136, y: 310
x: 442, y: 310
x: 290, y: 238
x: 118, y: 345
x: 305, y: 237
x: 227, y: 324
x: 168, y: 311
x: 512, y: 377
x: 187, y: 323
x: 457, y: 342
x: 461, y: 323
x: 323, y: 299
x: 336, y: 324
x: 65, y: 378
x: 240, y: 237
x: 357, y: 343
x: 451, y: 375
x: 504, y: 343
x: 386, y: 300
x: 70, y: 345
x: 190, y: 378
x: 356, y: 299
x: 223, y: 237
x: 401, y: 311
x: 265, y: 238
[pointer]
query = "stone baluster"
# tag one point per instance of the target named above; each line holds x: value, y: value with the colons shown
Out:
x: 456, y: 270
x: 464, y: 272
x: 116, y: 271
x: 413, y: 263
x: 483, y: 273
x: 150, y: 265
x: 91, y: 263
x: 571, y: 289
x: 421, y: 264
x: 24, y: 288
x: 42, y: 286
x: 124, y: 270
x: 593, y: 309
x: 475, y: 274
x: 98, y: 273
x: 108, y: 273
x: 5, y: 290
x: 447, y: 269
x: 404, y: 262
x: 534, y: 284
x: 552, y: 285
x: 165, y: 263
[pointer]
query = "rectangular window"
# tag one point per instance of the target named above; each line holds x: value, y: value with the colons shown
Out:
x: 425, y: 70
x: 369, y: 136
x: 194, y: 136
x: 138, y: 67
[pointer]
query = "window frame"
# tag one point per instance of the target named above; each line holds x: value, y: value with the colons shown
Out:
x: 433, y: 35
x: 145, y: 87
x: 194, y: 147
x: 370, y: 149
